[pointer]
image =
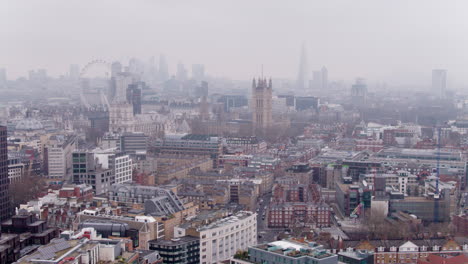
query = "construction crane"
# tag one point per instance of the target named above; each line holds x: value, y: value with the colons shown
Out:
x: 436, y: 195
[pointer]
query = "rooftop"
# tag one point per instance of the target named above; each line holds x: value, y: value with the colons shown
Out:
x: 295, y: 249
x: 226, y: 220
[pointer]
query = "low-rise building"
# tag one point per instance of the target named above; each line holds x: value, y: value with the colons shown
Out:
x: 287, y: 251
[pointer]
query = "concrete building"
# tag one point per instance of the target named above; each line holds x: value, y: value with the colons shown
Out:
x: 87, y: 169
x: 188, y: 144
x: 16, y: 169
x: 439, y: 82
x: 133, y: 143
x: 181, y: 250
x: 429, y: 209
x: 288, y: 251
x: 120, y: 163
x: 59, y: 157
x: 221, y: 239
x: 5, y: 207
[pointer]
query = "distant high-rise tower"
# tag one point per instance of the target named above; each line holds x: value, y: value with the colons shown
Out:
x: 324, y: 78
x: 74, y: 73
x: 5, y: 208
x: 262, y: 93
x: 316, y: 82
x: 163, y: 69
x: 359, y: 93
x: 122, y: 81
x: 302, y: 76
x: 198, y: 72
x: 181, y: 74
x: 439, y: 82
x: 116, y: 68
x: 134, y: 91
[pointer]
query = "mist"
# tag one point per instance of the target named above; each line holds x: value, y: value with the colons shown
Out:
x: 394, y: 41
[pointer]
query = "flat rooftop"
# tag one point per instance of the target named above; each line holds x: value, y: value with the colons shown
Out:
x: 295, y: 249
x: 227, y: 220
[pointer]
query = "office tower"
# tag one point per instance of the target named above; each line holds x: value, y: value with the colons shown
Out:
x: 134, y: 96
x: 122, y: 82
x: 316, y: 83
x: 324, y: 78
x: 74, y: 73
x: 116, y: 68
x: 163, y: 69
x: 198, y: 72
x: 302, y: 77
x: 181, y: 74
x: 261, y: 104
x: 439, y: 82
x: 4, y: 183
x: 59, y: 152
x: 359, y: 93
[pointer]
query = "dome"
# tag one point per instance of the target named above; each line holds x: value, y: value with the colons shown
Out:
x: 29, y: 124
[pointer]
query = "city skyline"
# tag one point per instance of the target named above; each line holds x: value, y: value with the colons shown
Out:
x: 337, y: 36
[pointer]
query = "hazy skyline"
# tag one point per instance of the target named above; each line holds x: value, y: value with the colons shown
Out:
x: 397, y: 41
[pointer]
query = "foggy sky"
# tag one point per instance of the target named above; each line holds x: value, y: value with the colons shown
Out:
x: 397, y: 41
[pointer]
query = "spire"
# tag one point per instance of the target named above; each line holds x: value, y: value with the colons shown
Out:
x: 253, y: 83
x: 270, y: 84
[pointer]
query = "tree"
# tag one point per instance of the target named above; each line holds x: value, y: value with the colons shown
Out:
x: 26, y: 189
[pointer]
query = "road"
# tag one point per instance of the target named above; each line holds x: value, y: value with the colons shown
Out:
x: 264, y: 233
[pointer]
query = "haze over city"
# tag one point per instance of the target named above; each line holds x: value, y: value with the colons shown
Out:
x: 397, y: 42
x: 235, y: 132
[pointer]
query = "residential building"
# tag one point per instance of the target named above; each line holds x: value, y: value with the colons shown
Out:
x: 221, y: 239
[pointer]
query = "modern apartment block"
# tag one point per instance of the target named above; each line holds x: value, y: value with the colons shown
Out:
x: 221, y: 239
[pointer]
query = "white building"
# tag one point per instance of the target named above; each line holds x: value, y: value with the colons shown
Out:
x: 120, y: 163
x: 221, y: 239
x: 59, y: 157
